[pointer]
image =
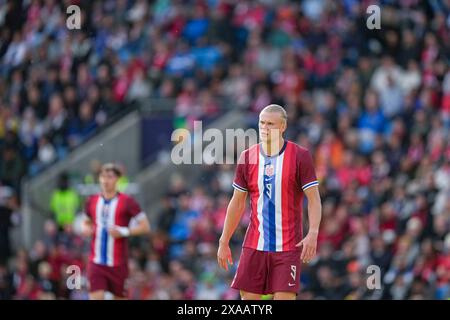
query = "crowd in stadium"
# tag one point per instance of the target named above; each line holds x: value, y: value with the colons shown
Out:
x: 373, y: 107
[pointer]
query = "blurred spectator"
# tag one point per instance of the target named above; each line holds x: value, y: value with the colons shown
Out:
x: 11, y: 168
x: 123, y: 182
x: 92, y: 176
x: 64, y: 202
x: 6, y: 287
x: 82, y: 126
x: 373, y: 108
x: 8, y: 208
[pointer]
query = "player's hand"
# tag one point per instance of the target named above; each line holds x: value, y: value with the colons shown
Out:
x: 115, y: 233
x: 309, y: 244
x: 119, y: 232
x: 224, y: 256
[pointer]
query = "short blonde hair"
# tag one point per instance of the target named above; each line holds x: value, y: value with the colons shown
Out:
x: 276, y: 108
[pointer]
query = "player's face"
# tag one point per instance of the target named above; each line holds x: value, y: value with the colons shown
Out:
x: 271, y: 126
x: 108, y: 181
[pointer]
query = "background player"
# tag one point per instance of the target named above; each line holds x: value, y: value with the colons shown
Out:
x: 274, y: 173
x: 108, y: 217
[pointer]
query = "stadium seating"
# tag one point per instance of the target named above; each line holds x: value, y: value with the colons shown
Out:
x: 373, y: 107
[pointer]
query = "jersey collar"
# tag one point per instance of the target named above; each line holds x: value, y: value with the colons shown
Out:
x: 275, y: 155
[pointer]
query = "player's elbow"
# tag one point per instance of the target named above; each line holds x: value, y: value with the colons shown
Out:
x: 314, y: 205
x: 241, y: 207
x: 86, y: 223
x: 145, y: 227
x: 148, y: 229
x: 237, y: 206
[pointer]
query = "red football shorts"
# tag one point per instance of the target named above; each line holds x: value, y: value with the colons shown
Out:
x: 111, y: 279
x: 265, y: 272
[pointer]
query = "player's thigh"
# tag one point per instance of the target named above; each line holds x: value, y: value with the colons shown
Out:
x: 98, y: 280
x: 251, y: 273
x: 284, y: 296
x: 97, y: 295
x: 284, y: 274
x: 116, y: 282
x: 250, y: 295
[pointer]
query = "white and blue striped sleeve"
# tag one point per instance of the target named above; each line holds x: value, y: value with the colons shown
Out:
x: 307, y: 172
x: 240, y: 178
x: 310, y: 184
x: 238, y: 187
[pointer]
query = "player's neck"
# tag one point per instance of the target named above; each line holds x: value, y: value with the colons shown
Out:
x: 272, y: 148
x: 108, y: 195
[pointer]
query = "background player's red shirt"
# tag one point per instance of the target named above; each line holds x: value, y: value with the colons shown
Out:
x: 118, y: 211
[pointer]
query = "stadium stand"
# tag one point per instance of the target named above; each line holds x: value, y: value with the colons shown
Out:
x: 373, y: 107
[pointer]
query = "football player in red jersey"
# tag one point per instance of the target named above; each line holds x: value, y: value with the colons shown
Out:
x: 108, y: 216
x: 275, y: 174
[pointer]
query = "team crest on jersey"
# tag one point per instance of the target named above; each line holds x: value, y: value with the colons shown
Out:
x: 269, y: 170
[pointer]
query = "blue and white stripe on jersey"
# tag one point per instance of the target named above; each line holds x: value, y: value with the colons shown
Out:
x: 269, y: 204
x: 268, y: 210
x: 104, y: 243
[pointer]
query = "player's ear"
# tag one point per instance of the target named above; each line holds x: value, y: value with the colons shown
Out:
x: 283, y: 126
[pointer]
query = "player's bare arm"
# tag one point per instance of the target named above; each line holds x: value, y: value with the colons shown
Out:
x: 87, y: 229
x: 234, y: 214
x: 141, y: 227
x: 309, y: 243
